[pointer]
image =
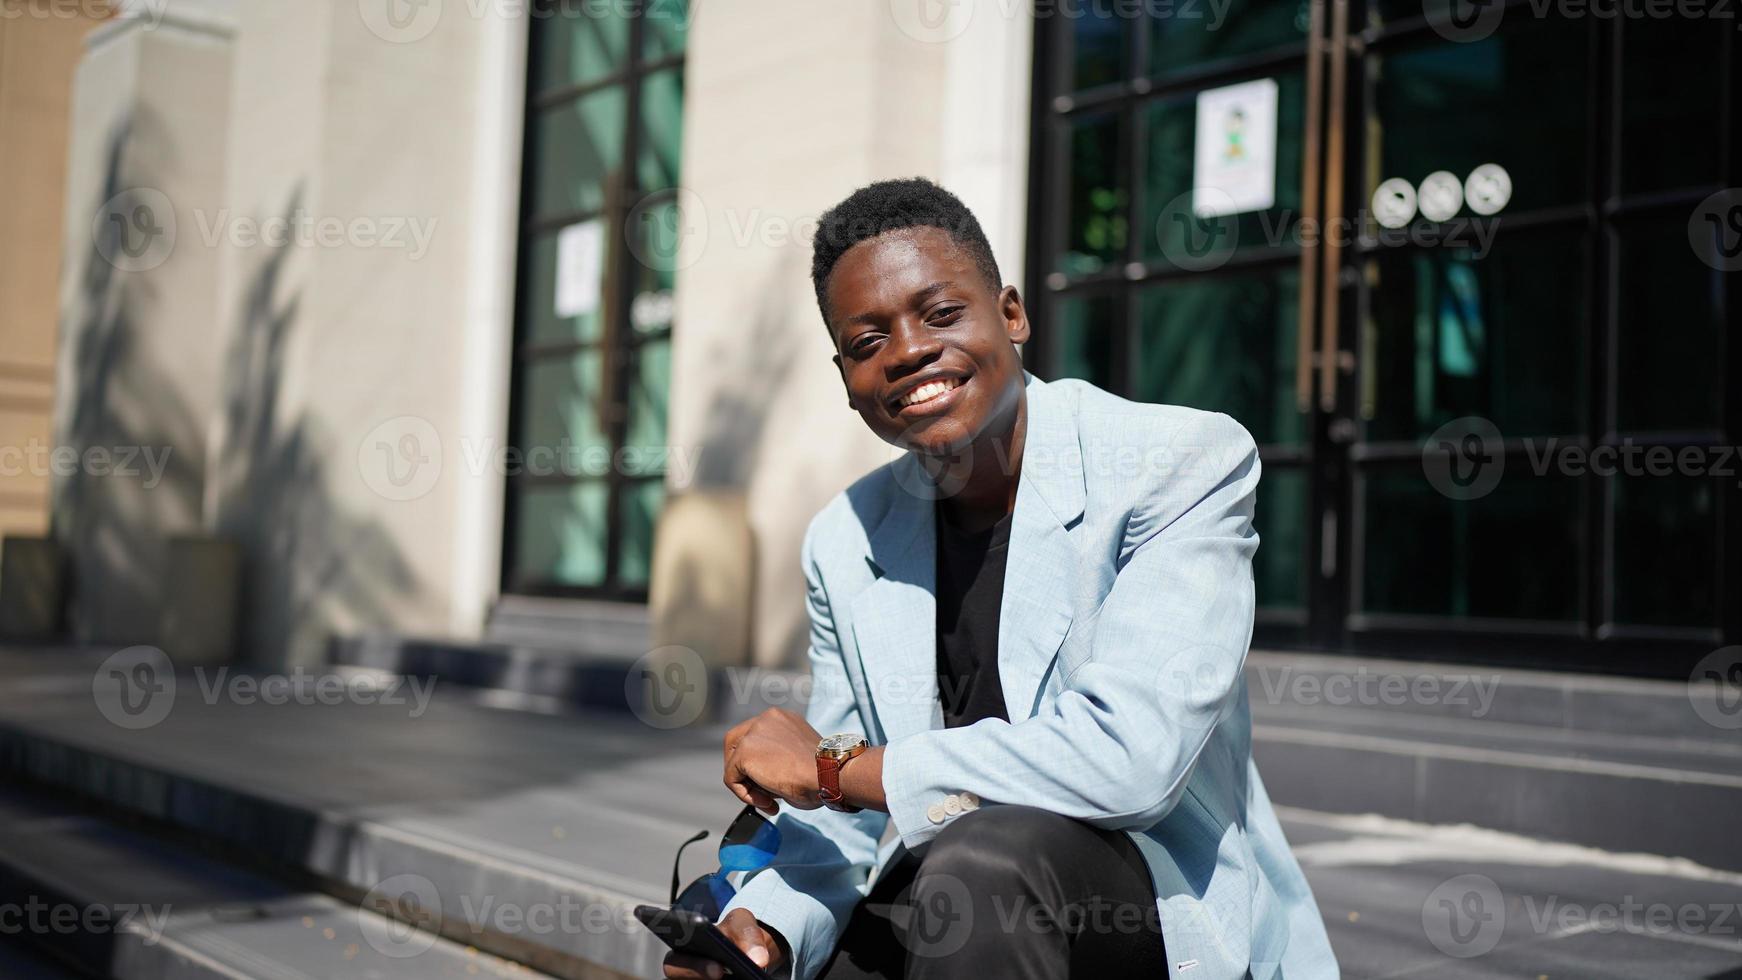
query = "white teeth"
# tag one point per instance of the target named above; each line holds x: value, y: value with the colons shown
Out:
x: 928, y: 391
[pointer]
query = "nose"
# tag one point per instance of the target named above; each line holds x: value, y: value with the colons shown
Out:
x: 911, y: 345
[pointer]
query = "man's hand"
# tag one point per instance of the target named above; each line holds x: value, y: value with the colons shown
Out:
x: 773, y: 757
x: 763, y: 946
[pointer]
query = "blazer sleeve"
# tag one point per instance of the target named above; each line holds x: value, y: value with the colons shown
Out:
x: 1117, y: 746
x: 825, y: 860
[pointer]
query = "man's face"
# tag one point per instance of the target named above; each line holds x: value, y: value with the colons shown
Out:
x: 923, y: 343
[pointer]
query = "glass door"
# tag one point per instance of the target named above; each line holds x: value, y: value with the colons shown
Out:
x: 1437, y: 259
x: 593, y: 335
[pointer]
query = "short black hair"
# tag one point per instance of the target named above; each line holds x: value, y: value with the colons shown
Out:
x: 890, y: 205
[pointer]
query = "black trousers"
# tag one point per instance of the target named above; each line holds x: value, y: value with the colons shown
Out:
x: 1008, y: 892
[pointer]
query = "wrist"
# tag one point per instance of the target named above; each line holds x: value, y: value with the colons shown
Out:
x: 862, y: 780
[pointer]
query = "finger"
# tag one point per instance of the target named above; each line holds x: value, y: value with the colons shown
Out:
x: 682, y: 966
x: 742, y: 928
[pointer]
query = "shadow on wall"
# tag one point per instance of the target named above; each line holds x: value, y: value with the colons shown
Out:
x: 115, y: 400
x: 313, y: 567
x: 760, y: 354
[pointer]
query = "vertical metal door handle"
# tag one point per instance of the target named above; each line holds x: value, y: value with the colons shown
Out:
x: 1310, y: 221
x: 1335, y: 140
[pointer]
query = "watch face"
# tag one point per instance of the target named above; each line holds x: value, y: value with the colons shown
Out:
x: 839, y: 743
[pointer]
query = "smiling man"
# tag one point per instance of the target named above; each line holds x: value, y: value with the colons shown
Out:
x: 1027, y: 639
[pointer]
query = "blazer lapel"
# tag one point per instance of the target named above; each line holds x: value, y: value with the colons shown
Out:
x: 895, y: 618
x: 1040, y: 566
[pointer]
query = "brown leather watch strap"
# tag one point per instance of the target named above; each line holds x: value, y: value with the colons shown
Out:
x: 829, y: 784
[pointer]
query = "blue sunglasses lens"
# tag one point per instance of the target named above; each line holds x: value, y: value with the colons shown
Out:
x: 750, y: 844
x: 707, y: 896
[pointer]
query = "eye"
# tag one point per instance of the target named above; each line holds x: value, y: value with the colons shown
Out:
x: 947, y: 315
x: 862, y: 343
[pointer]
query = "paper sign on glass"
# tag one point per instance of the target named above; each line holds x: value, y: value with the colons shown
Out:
x: 579, y: 262
x: 1234, y: 159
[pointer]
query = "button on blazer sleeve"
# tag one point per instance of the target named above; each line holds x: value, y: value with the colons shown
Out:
x: 1117, y: 746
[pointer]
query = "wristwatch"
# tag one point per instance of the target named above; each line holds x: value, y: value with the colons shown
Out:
x: 833, y: 753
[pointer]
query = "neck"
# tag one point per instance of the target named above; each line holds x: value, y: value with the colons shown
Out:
x: 985, y: 475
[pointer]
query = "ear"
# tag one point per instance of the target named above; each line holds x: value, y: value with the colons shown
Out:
x: 1015, y: 316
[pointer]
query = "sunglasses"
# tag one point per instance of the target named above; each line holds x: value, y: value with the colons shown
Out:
x: 749, y: 844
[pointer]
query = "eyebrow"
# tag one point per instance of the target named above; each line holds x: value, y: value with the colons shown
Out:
x: 919, y: 297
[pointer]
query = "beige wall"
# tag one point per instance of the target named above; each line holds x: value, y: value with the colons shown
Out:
x: 789, y: 107
x: 340, y: 283
x: 38, y: 55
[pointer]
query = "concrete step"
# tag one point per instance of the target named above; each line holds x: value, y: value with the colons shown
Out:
x: 121, y: 904
x: 20, y: 963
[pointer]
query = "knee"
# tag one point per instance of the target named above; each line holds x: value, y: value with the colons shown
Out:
x: 996, y: 842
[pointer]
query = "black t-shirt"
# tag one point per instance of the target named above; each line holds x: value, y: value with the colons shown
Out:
x: 970, y: 588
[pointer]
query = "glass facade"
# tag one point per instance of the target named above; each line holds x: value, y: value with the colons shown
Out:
x: 592, y: 368
x: 1389, y: 288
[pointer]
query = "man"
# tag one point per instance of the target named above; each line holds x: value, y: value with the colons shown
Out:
x: 1027, y: 639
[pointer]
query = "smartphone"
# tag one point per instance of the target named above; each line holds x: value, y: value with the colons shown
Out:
x: 692, y: 933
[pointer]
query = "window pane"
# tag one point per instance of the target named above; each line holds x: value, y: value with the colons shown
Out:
x: 1224, y: 344
x: 539, y: 305
x: 1169, y: 228
x: 1501, y: 337
x: 1095, y: 227
x: 1424, y: 553
x: 1672, y: 94
x: 648, y: 387
x: 1516, y: 99
x: 1100, y: 49
x: 1279, y: 568
x: 666, y: 28
x: 1669, y: 373
x: 1084, y: 326
x: 642, y: 501
x: 576, y: 41
x: 573, y: 147
x: 1666, y: 541
x: 1200, y: 33
x: 661, y: 129
x: 559, y: 409
x: 561, y: 535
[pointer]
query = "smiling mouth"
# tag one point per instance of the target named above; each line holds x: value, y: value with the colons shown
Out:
x: 927, y: 392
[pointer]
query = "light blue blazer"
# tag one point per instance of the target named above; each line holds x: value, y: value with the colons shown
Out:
x: 1126, y: 617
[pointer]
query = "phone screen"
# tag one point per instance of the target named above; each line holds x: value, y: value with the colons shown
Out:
x: 693, y: 934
